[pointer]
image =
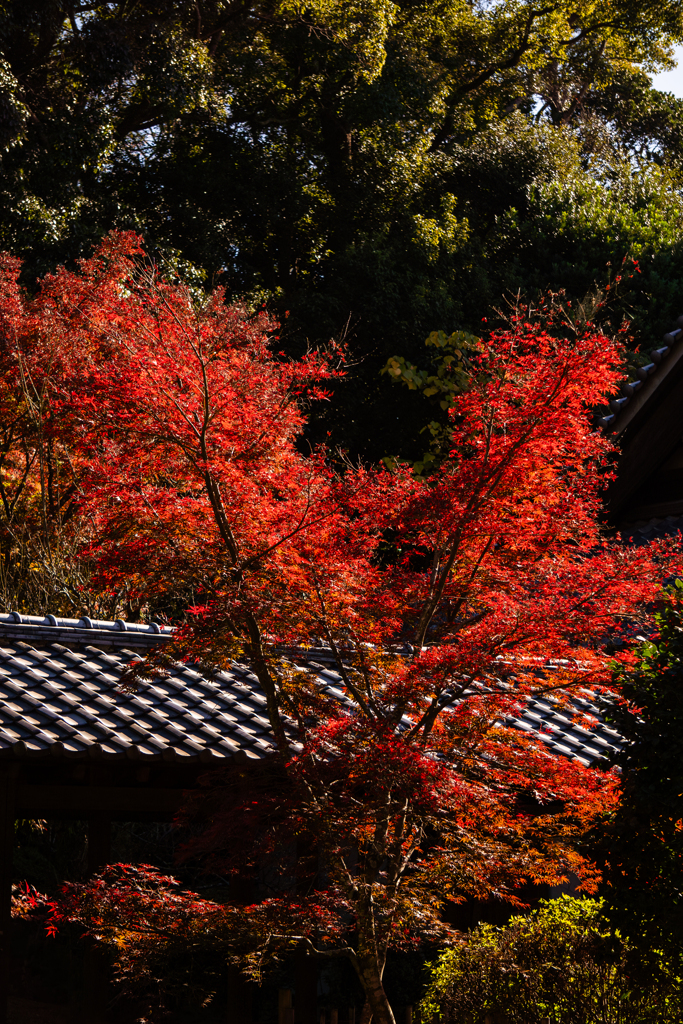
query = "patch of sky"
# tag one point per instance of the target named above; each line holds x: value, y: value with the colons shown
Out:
x: 672, y: 81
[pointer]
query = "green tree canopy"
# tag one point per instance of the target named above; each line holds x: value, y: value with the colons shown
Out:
x: 562, y: 963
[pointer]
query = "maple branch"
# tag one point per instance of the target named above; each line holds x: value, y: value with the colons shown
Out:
x: 428, y: 720
x: 213, y: 491
x: 364, y: 671
x: 358, y: 697
x: 347, y: 951
x: 10, y: 504
x: 258, y: 556
x: 477, y: 565
x: 301, y: 526
x: 474, y: 506
x: 400, y: 863
x: 263, y: 675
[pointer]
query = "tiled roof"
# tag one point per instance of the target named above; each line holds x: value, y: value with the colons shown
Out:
x: 60, y: 695
x: 65, y: 700
x: 645, y: 530
x: 577, y: 730
x: 646, y: 381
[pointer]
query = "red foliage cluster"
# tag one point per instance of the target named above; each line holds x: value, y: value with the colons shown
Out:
x: 445, y: 601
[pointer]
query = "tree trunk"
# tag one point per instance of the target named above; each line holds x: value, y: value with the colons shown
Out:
x: 371, y: 958
x: 370, y: 973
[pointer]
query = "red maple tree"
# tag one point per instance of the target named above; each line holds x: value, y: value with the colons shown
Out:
x: 445, y: 601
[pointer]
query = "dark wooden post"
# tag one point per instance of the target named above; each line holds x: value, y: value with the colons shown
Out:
x: 285, y: 1010
x: 306, y: 987
x: 240, y: 998
x: 7, y: 787
x: 95, y: 971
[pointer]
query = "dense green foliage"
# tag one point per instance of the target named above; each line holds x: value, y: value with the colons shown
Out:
x: 378, y: 169
x: 644, y: 849
x: 559, y: 963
